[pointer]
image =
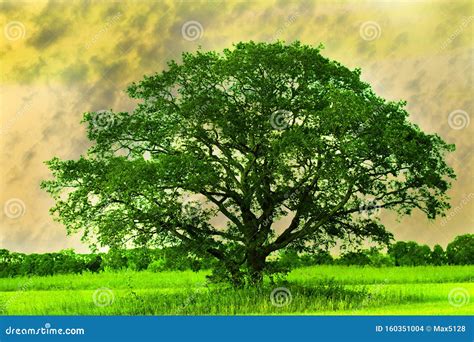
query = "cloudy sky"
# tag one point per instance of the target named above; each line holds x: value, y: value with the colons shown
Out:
x: 59, y: 59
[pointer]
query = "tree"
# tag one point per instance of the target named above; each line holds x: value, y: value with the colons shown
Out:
x: 321, y: 257
x: 359, y: 258
x: 116, y: 259
x: 138, y: 259
x: 438, y: 256
x: 410, y: 253
x: 379, y: 259
x: 253, y: 134
x: 94, y: 263
x: 461, y: 250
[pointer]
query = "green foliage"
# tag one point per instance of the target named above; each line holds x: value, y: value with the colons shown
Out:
x: 410, y: 253
x: 378, y: 259
x: 461, y: 250
x: 320, y: 257
x: 139, y: 259
x: 438, y: 256
x: 251, y: 133
x: 66, y: 261
x: 358, y: 258
x: 157, y: 265
x: 290, y: 259
x: 116, y: 259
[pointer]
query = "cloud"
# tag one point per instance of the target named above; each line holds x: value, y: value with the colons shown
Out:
x: 49, y: 34
x: 81, y: 56
x: 75, y: 73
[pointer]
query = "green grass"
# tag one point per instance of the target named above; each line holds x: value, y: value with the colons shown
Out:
x: 393, y: 275
x: 321, y: 290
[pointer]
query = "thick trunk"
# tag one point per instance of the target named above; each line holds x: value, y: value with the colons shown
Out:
x: 255, y: 264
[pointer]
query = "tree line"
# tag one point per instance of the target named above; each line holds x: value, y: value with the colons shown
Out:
x: 402, y: 253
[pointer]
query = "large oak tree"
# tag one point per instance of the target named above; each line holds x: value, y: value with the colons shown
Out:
x: 252, y: 134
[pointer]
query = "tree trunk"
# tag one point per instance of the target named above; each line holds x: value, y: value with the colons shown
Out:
x: 255, y: 264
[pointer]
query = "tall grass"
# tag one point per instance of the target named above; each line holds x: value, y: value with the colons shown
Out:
x: 117, y: 280
x: 383, y: 275
x: 313, y: 290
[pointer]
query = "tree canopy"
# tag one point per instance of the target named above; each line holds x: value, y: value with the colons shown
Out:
x: 250, y: 135
x: 461, y: 250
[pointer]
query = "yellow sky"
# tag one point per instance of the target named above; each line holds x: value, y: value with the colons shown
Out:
x: 59, y: 59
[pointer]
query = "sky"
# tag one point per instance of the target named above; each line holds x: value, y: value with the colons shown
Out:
x: 59, y: 59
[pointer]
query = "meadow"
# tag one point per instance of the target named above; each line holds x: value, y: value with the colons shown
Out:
x: 315, y: 290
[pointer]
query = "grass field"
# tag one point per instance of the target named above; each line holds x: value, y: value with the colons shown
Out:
x: 319, y: 290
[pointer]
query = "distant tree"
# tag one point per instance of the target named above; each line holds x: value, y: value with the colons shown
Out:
x: 4, y: 256
x: 5, y: 261
x: 94, y: 263
x: 379, y: 259
x: 29, y: 264
x: 421, y: 255
x: 290, y: 259
x: 397, y: 251
x: 461, y: 250
x: 116, y: 259
x: 17, y: 260
x: 138, y: 259
x: 10, y: 263
x: 359, y: 258
x: 67, y: 261
x: 318, y: 257
x: 323, y: 257
x: 410, y: 253
x: 438, y: 256
x: 44, y: 264
x: 253, y: 134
